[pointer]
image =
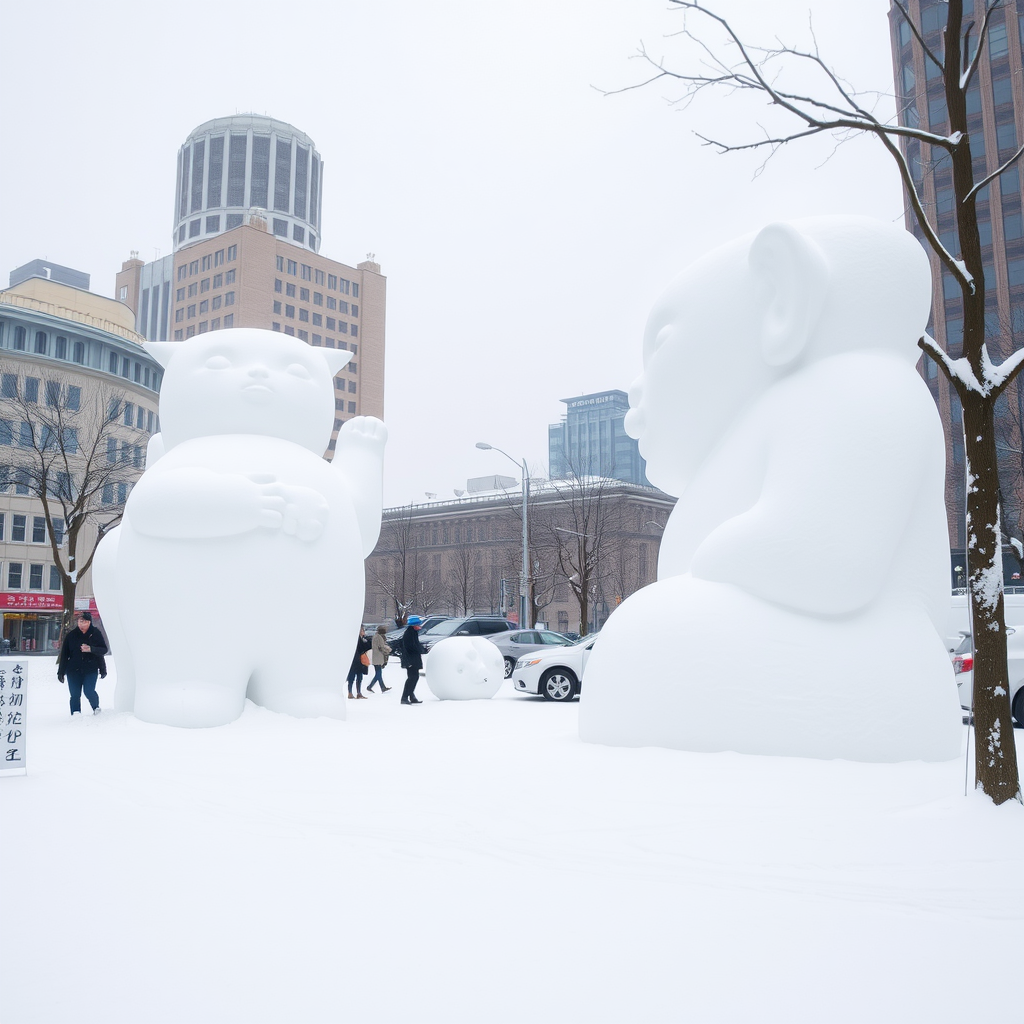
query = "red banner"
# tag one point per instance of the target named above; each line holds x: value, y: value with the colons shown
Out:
x: 32, y: 602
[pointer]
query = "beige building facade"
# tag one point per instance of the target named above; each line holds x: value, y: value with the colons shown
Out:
x: 248, y: 277
x: 65, y: 354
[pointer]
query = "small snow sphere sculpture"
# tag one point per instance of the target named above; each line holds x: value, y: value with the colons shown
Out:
x: 804, y: 571
x: 465, y: 668
x: 237, y: 524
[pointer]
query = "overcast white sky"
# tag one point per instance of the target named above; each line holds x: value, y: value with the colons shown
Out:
x: 524, y: 221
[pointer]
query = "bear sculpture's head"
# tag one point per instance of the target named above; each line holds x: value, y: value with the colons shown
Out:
x: 759, y: 309
x: 247, y: 381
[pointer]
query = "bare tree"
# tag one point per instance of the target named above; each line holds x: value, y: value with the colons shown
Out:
x: 62, y: 448
x: 398, y: 568
x: 460, y: 572
x: 833, y: 107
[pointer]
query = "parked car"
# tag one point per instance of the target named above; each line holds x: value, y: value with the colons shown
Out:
x: 556, y: 674
x: 517, y: 642
x: 963, y: 668
x: 469, y: 625
x: 428, y: 623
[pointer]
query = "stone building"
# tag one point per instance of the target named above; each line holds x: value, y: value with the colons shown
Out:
x: 464, y: 556
x: 64, y: 348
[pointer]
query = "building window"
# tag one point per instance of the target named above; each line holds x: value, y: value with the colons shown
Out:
x: 298, y: 234
x: 78, y: 352
x: 293, y: 268
x: 203, y: 325
x: 354, y: 329
x: 195, y: 228
x: 32, y: 389
x: 179, y: 315
x: 232, y: 253
x: 204, y: 285
x: 113, y: 410
x: 280, y: 264
x: 232, y: 220
x: 218, y: 280
x: 317, y: 339
x: 149, y: 422
x: 342, y: 327
x: 19, y: 339
x: 218, y: 259
x: 351, y: 387
x: 111, y: 449
x: 277, y: 306
x: 355, y: 309
x: 275, y: 327
x: 60, y: 347
x: 330, y: 323
x: 355, y: 289
x: 178, y: 335
x: 193, y: 289
x: 1006, y: 136
x: 182, y: 272
x: 140, y: 419
x: 41, y: 342
x: 277, y: 285
x: 204, y: 306
x: 343, y: 307
x: 38, y: 530
x: 55, y: 580
x: 318, y: 298
x: 332, y: 282
x: 216, y: 302
x: 289, y: 311
x: 213, y: 224
x: 229, y: 298
x: 14, y: 575
x: 318, y: 320
x: 303, y: 336
x: 9, y: 385
x: 289, y: 330
x: 318, y: 277
x: 18, y: 526
x: 304, y: 315
x: 73, y: 397
x: 129, y: 414
x: 280, y: 227
x: 191, y: 312
x: 303, y: 295
x: 332, y: 303
x: 108, y: 494
x: 179, y: 295
x: 193, y: 268
x: 190, y: 332
x: 343, y: 286
x: 229, y: 277
x: 215, y: 324
x: 35, y: 577
x: 206, y: 263
x: 307, y: 272
x: 328, y: 342
x: 289, y: 290
x: 229, y: 320
x: 351, y: 406
x: 352, y: 368
x: 282, y: 175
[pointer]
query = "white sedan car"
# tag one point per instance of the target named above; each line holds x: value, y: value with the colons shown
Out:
x: 963, y: 667
x: 556, y: 674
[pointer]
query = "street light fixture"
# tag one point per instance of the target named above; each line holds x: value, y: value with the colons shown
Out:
x: 524, y: 600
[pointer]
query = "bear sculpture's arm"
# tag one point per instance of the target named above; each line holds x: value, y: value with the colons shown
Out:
x: 359, y: 457
x: 850, y: 442
x: 192, y: 502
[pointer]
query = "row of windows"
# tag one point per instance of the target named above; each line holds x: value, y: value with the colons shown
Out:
x: 130, y: 454
x: 16, y: 579
x: 24, y: 532
x: 207, y: 262
x: 28, y: 434
x: 69, y: 395
x: 24, y: 482
x: 198, y: 287
x: 182, y: 313
x: 303, y: 295
x: 41, y: 346
x: 206, y: 325
x: 320, y: 277
x: 318, y: 320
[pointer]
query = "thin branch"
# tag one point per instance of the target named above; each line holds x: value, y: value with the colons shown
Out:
x: 917, y: 35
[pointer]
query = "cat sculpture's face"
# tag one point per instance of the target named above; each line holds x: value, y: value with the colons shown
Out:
x: 247, y: 381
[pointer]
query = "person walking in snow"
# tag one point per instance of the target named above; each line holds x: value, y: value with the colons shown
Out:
x: 379, y: 659
x: 359, y: 668
x: 412, y: 659
x: 81, y: 657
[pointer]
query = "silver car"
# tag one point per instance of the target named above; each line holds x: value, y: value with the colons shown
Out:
x: 517, y: 642
x: 963, y: 668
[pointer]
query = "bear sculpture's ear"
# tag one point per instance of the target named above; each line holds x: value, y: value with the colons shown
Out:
x: 796, y: 275
x: 336, y: 359
x: 162, y: 351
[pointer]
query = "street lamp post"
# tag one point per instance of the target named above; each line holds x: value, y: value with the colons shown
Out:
x: 524, y: 598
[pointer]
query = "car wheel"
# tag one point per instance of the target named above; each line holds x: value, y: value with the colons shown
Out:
x: 558, y: 684
x: 510, y: 665
x: 1018, y: 706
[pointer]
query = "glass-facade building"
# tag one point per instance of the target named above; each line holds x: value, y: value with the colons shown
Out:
x: 232, y: 165
x: 995, y: 105
x: 592, y: 441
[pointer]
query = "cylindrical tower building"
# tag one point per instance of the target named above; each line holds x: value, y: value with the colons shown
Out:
x: 233, y: 165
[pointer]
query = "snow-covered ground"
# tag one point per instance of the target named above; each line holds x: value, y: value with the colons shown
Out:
x: 474, y: 861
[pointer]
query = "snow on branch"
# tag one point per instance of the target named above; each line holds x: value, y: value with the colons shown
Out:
x: 994, y: 377
x: 972, y: 66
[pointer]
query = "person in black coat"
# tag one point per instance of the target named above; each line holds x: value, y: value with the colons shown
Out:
x: 81, y: 658
x: 358, y: 669
x: 412, y: 659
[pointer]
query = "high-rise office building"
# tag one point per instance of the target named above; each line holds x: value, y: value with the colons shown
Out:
x: 237, y: 264
x: 995, y: 106
x: 591, y: 440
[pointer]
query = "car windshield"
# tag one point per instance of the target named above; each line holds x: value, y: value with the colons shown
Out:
x: 445, y: 628
x: 964, y: 646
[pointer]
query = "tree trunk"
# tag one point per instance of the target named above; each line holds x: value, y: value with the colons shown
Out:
x: 995, y: 754
x: 67, y: 619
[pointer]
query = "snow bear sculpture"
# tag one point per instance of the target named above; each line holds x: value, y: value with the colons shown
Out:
x: 464, y: 668
x: 237, y: 526
x: 804, y: 572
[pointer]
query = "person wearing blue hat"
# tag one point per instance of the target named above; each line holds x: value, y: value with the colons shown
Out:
x: 412, y: 658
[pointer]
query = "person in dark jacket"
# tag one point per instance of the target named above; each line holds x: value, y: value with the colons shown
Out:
x: 412, y: 659
x: 358, y: 669
x: 81, y: 657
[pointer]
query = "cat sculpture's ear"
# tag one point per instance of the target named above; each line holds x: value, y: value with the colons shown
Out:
x: 162, y: 351
x: 336, y: 359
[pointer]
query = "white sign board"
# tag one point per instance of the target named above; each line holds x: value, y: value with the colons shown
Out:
x: 13, y: 714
